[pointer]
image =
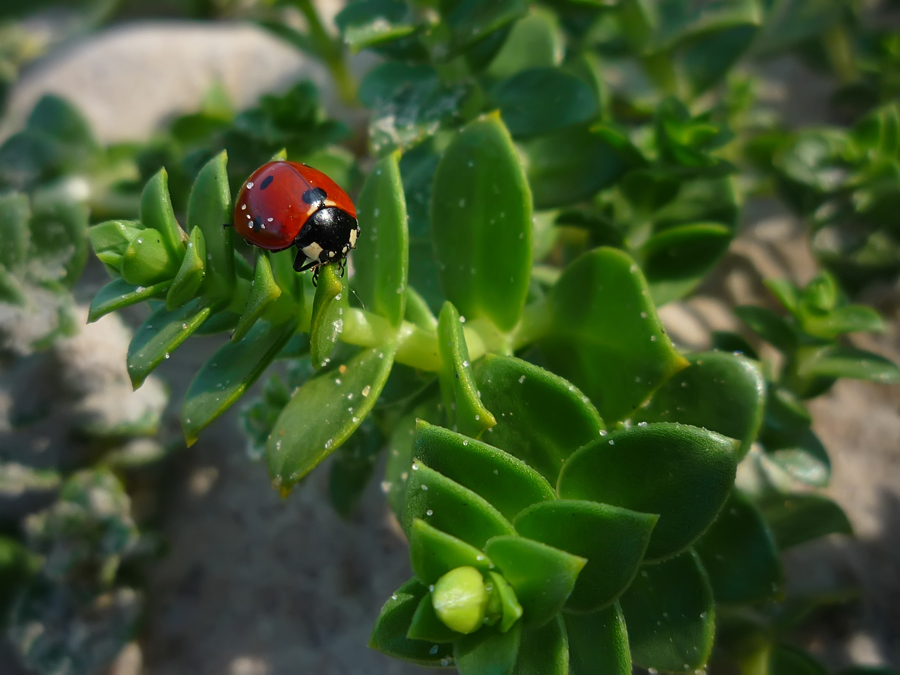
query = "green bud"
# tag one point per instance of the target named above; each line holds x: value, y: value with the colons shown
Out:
x: 821, y: 293
x: 460, y: 599
x: 146, y: 260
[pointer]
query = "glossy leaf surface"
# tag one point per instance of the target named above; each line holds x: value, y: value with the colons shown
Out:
x: 504, y: 481
x: 798, y: 518
x: 682, y: 473
x: 544, y: 650
x: 367, y: 23
x: 717, y: 391
x: 542, y: 576
x: 605, y: 336
x: 389, y: 634
x: 598, y: 642
x: 190, y: 274
x: 118, y: 293
x: 433, y: 553
x: 529, y: 403
x: 613, y: 541
x: 264, y: 290
x: 836, y: 361
x: 323, y: 413
x: 739, y: 554
x: 157, y: 213
x: 481, y: 224
x: 535, y: 40
x: 381, y: 261
x: 327, y: 319
x: 426, y: 625
x: 451, y: 508
x: 209, y: 208
x: 670, y: 614
x: 227, y: 375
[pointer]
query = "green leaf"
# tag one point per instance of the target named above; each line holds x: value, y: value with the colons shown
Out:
x: 190, y: 275
x: 789, y: 660
x: 677, y: 259
x: 542, y: 100
x: 461, y: 401
x: 507, y: 483
x: 671, y: 23
x: 146, y: 261
x: 542, y: 576
x: 670, y: 614
x: 160, y: 335
x: 530, y: 401
x: 605, y: 336
x: 847, y: 319
x: 740, y: 556
x: 471, y: 20
x: 786, y: 292
x: 682, y: 473
x: 488, y: 652
x: 352, y: 468
x: 15, y: 213
x: 769, y: 326
x: 157, y: 213
x: 426, y: 625
x: 544, y: 650
x: 613, y: 540
x: 598, y: 643
x: 227, y: 375
x: 400, y: 449
x: 327, y: 322
x: 837, y: 361
x: 209, y: 208
x: 510, y: 609
x: 323, y: 413
x: 717, y: 391
x: 797, y: 518
x: 569, y: 166
x: 367, y: 23
x: 264, y: 290
x: 119, y: 293
x: 433, y: 553
x: 709, y: 60
x: 451, y: 508
x: 481, y: 224
x: 389, y: 634
x: 381, y: 263
x: 535, y: 40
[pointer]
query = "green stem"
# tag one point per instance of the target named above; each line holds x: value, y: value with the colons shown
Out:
x: 331, y: 50
x: 840, y: 53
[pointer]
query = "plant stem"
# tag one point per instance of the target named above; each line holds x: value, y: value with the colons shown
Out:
x: 840, y: 53
x: 331, y: 50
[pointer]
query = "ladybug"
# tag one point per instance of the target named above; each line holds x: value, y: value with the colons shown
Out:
x: 284, y: 204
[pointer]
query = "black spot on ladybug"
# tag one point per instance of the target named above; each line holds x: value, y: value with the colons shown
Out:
x: 314, y: 196
x: 266, y: 182
x: 257, y: 224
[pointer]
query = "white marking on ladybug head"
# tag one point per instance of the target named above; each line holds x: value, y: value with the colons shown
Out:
x: 330, y: 254
x: 353, y: 235
x: 313, y: 251
x: 345, y: 249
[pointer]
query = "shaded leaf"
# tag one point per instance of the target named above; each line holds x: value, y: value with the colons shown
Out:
x: 488, y: 652
x: 433, y: 553
x: 598, y: 642
x: 797, y: 518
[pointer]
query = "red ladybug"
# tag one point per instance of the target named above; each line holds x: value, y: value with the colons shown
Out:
x: 286, y: 204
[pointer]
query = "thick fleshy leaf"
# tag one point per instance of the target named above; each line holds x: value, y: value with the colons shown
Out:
x: 598, y: 643
x: 426, y: 625
x: 739, y: 554
x: 529, y: 402
x: 323, y: 413
x: 367, y: 23
x: 535, y: 40
x: 400, y: 449
x: 717, y: 391
x: 146, y: 261
x: 433, y: 553
x: 544, y: 650
x: 613, y: 541
x: 605, y: 336
x: 543, y: 100
x: 569, y: 166
x: 847, y: 319
x: 670, y: 613
x: 264, y: 290
x: 229, y: 373
x: 481, y: 224
x: 352, y: 468
x: 190, y: 275
x: 662, y: 26
x: 797, y: 518
x: 677, y: 259
x: 542, y: 576
x: 156, y: 212
x: 488, y: 652
x: 769, y: 326
x: 327, y: 322
x: 119, y: 293
x: 510, y: 609
x: 464, y: 408
x: 389, y: 634
x: 209, y: 208
x: 708, y: 60
x: 471, y: 20
x: 858, y: 364
x: 382, y: 260
x: 15, y: 212
x: 680, y: 472
x: 790, y: 660
x: 160, y: 335
x: 451, y: 508
x: 504, y: 481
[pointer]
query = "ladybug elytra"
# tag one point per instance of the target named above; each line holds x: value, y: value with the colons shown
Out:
x: 284, y: 204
